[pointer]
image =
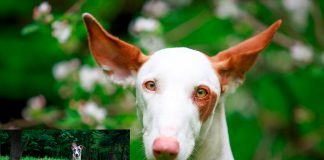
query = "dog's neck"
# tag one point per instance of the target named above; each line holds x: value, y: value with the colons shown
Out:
x: 213, y: 144
x: 76, y: 158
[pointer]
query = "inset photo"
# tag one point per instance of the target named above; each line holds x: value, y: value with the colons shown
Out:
x: 42, y: 144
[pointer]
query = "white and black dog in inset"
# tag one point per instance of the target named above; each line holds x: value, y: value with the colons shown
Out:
x: 76, y: 151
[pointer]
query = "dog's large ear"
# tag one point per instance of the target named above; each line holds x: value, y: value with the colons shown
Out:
x: 118, y: 59
x: 81, y: 147
x: 73, y: 144
x: 233, y: 63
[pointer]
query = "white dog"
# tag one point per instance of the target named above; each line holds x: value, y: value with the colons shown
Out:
x: 76, y: 151
x: 180, y: 91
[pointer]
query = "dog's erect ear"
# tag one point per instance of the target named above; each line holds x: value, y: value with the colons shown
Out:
x: 81, y: 147
x: 117, y: 58
x: 232, y: 64
x: 73, y: 144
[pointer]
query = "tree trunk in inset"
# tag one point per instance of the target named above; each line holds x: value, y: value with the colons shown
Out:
x: 15, y: 145
x: 112, y: 156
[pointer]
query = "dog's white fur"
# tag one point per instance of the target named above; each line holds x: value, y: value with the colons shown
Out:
x: 76, y: 151
x: 170, y: 110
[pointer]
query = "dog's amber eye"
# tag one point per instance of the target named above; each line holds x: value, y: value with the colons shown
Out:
x: 150, y: 85
x: 201, y: 92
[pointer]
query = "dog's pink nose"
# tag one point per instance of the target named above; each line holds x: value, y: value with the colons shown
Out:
x: 165, y: 148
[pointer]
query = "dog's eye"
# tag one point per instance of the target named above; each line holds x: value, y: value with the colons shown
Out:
x: 202, y: 91
x: 150, y: 85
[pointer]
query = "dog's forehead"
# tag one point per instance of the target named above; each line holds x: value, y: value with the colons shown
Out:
x: 185, y: 56
x: 179, y: 64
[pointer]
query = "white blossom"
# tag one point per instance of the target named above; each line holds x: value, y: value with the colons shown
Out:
x: 299, y: 10
x: 44, y: 7
x: 156, y: 8
x: 37, y: 102
x: 90, y: 76
x: 43, y: 12
x: 142, y: 24
x: 106, y: 83
x: 62, y: 69
x: 91, y: 109
x: 301, y: 53
x: 152, y: 43
x: 61, y: 30
x: 33, y: 103
x: 226, y: 9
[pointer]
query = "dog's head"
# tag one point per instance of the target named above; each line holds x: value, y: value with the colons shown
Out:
x: 76, y: 150
x: 177, y: 88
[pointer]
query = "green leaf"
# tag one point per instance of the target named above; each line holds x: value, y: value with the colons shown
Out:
x: 30, y: 29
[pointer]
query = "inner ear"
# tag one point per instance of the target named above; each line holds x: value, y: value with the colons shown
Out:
x: 232, y: 64
x: 120, y: 60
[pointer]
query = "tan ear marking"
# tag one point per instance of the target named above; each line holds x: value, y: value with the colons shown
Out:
x: 234, y: 62
x: 118, y: 58
x: 252, y: 45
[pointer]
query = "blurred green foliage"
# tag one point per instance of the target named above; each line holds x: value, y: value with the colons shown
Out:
x: 276, y: 114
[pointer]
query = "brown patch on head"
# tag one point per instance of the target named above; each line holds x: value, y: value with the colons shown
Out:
x: 205, y: 103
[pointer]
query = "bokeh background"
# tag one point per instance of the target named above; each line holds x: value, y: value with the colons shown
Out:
x: 48, y: 78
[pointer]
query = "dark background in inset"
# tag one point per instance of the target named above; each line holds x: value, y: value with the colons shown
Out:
x: 97, y: 144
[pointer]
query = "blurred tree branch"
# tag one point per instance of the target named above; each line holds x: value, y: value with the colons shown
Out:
x: 75, y: 7
x: 319, y: 25
x: 189, y: 26
x: 47, y: 120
